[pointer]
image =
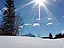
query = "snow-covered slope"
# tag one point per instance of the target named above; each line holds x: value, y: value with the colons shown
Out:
x: 27, y: 42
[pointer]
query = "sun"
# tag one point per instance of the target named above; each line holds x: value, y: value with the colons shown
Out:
x: 40, y: 2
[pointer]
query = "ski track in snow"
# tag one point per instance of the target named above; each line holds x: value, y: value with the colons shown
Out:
x: 29, y: 42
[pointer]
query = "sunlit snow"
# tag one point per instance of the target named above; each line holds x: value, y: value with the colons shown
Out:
x: 28, y: 42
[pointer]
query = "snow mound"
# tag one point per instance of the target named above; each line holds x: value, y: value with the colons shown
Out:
x: 29, y: 42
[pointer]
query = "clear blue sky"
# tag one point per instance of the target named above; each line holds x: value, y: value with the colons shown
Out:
x: 48, y: 24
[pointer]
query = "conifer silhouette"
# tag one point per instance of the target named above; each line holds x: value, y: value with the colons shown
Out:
x: 8, y: 26
x: 50, y: 36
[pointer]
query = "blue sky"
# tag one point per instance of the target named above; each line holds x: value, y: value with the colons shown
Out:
x: 51, y: 17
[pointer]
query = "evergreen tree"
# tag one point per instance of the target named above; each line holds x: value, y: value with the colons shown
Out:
x: 9, y: 19
x: 59, y: 35
x: 50, y: 36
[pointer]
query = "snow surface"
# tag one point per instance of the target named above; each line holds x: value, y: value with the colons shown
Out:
x: 29, y: 42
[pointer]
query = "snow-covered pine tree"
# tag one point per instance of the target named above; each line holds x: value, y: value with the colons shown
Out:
x: 9, y: 19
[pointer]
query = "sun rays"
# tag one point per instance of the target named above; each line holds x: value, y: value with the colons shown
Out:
x: 39, y: 4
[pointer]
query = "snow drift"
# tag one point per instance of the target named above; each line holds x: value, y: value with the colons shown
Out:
x: 29, y: 42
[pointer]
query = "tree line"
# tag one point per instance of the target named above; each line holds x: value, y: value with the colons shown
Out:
x: 57, y: 36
